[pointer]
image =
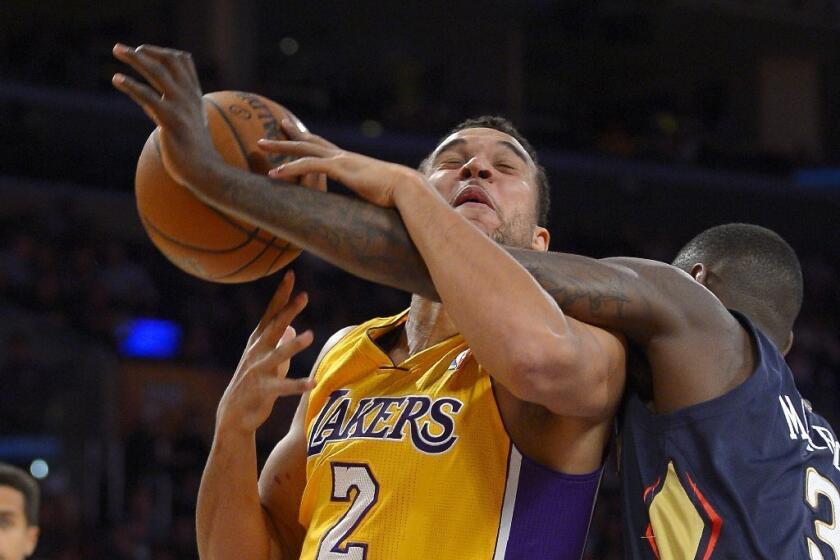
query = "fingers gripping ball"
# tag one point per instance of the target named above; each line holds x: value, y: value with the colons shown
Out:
x: 196, y: 237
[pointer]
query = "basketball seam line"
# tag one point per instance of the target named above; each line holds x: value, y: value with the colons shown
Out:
x: 279, y: 254
x: 149, y: 224
x: 247, y: 264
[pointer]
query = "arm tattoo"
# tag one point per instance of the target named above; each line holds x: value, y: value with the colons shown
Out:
x: 372, y: 243
x: 363, y: 239
x: 593, y: 291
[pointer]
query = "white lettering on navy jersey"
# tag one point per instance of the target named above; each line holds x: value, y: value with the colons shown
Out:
x: 820, y: 439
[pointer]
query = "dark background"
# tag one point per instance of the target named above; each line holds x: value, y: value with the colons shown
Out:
x: 654, y: 119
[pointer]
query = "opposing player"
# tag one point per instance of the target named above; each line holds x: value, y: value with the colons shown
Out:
x: 475, y: 428
x: 721, y: 457
x: 737, y: 445
x: 19, y: 504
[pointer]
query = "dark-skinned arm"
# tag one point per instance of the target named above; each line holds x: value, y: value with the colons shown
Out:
x: 372, y: 243
x: 365, y: 240
x: 688, y: 337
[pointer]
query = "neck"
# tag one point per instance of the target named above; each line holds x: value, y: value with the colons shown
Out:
x: 428, y: 323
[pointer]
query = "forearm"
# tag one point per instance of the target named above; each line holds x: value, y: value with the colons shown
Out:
x: 230, y: 522
x: 362, y: 239
x: 495, y: 303
x: 373, y: 243
x: 602, y: 292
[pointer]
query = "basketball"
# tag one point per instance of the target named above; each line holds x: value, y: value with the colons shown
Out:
x: 196, y: 237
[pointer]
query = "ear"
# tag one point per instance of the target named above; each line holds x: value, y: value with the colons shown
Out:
x: 788, y: 344
x: 31, y: 539
x: 540, y: 239
x: 699, y: 273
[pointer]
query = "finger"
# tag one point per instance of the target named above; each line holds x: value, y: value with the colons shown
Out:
x: 295, y: 130
x: 276, y: 361
x: 278, y: 300
x: 299, y: 148
x: 277, y: 327
x: 148, y: 99
x: 305, y: 166
x: 317, y: 181
x: 287, y: 387
x: 156, y: 73
x: 288, y: 335
x: 180, y: 63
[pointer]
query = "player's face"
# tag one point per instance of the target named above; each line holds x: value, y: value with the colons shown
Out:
x: 17, y: 539
x: 489, y: 179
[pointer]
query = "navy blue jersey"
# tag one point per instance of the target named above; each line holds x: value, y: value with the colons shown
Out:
x: 752, y: 474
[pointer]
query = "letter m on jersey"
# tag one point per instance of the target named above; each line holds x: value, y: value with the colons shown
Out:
x: 797, y: 427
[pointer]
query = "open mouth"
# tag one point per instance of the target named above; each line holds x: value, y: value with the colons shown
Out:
x: 472, y: 194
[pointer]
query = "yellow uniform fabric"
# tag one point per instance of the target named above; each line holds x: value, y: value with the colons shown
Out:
x: 405, y: 461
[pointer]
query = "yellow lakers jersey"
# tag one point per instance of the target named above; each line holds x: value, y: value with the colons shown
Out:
x: 412, y: 461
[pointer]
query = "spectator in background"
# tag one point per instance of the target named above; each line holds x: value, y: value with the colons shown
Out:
x: 19, y: 505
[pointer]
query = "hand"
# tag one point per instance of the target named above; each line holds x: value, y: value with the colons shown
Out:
x: 294, y: 132
x: 173, y: 101
x: 260, y: 378
x: 374, y: 180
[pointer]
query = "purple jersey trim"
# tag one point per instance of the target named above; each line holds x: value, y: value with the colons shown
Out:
x: 552, y: 512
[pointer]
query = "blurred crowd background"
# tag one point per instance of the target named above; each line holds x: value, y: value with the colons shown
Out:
x: 655, y: 120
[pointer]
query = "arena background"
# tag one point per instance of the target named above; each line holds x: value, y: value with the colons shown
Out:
x: 654, y: 119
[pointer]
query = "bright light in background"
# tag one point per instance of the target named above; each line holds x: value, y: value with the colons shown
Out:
x: 149, y: 338
x: 39, y: 469
x: 289, y: 46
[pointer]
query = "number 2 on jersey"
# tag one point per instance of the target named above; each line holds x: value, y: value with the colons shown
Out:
x: 828, y: 532
x: 347, y: 476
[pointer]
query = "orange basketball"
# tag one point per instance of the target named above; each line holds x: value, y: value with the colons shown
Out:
x: 196, y: 237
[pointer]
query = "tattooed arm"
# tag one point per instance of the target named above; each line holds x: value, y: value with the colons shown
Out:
x: 672, y: 318
x: 682, y: 327
x: 365, y: 240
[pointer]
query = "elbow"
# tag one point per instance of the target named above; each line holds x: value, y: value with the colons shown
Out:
x: 536, y: 368
x: 563, y: 383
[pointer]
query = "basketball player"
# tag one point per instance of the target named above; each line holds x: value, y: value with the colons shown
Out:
x: 475, y: 428
x: 19, y: 506
x: 721, y: 457
x: 723, y: 441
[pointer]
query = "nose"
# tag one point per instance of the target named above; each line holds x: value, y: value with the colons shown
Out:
x: 476, y: 167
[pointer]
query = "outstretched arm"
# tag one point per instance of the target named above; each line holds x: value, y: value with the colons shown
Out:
x: 229, y: 480
x: 651, y: 303
x: 363, y: 239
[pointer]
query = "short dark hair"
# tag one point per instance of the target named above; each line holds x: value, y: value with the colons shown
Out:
x: 759, y: 272
x: 19, y: 480
x: 543, y: 202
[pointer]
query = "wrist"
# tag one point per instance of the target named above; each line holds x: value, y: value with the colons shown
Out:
x: 230, y: 428
x: 409, y: 191
x: 204, y: 176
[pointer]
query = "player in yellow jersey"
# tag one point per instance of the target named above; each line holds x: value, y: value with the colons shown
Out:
x: 474, y: 428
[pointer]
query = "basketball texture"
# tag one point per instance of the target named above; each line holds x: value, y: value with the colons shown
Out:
x: 197, y: 238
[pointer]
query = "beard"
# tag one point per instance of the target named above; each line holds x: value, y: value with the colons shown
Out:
x: 515, y: 231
